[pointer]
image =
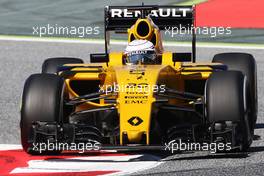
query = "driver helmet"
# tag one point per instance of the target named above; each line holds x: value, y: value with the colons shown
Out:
x: 140, y: 52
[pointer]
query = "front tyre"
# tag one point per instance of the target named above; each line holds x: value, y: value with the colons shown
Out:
x: 226, y: 102
x: 42, y: 100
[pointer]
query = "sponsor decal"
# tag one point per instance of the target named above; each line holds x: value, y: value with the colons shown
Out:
x: 135, y: 121
x: 136, y: 97
x: 135, y: 101
x: 162, y: 12
x: 139, y: 85
x: 137, y: 71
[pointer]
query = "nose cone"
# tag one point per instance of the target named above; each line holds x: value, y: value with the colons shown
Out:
x: 135, y: 98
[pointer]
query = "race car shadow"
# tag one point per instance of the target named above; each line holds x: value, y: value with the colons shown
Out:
x: 256, y: 149
x: 259, y: 125
x: 144, y: 157
x: 201, y: 156
x: 106, y: 157
x: 205, y: 155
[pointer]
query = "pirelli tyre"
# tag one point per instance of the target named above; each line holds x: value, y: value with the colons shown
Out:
x: 226, y: 100
x: 42, y: 100
x: 50, y: 65
x: 247, y: 65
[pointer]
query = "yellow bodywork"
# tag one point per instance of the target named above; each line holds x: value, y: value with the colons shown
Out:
x: 134, y: 102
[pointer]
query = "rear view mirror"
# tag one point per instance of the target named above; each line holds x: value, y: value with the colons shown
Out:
x: 99, y: 58
x: 181, y: 57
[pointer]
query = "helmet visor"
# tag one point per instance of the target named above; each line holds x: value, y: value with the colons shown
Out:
x: 146, y: 57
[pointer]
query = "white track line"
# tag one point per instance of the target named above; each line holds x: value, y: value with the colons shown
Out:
x: 114, y: 42
x: 119, y: 168
x: 121, y: 165
x: 10, y: 146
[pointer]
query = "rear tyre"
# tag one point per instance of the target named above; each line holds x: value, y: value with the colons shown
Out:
x: 42, y: 100
x: 226, y: 101
x: 50, y: 65
x: 247, y: 65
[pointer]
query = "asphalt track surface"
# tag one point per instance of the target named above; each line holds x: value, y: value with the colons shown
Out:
x: 19, y: 59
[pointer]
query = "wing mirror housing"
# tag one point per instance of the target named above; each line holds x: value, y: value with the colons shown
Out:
x: 99, y: 58
x: 181, y: 57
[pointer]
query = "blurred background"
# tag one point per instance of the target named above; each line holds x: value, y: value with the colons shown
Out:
x: 244, y: 17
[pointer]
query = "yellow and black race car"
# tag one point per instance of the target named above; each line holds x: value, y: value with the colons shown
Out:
x: 144, y: 97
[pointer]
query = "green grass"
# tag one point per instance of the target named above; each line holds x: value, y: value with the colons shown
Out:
x: 191, y: 2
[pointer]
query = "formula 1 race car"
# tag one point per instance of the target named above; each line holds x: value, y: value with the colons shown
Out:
x: 144, y: 97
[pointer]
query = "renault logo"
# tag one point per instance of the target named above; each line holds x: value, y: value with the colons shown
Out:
x: 135, y: 121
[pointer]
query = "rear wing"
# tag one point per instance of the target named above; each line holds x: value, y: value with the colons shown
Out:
x: 123, y: 17
x: 120, y: 18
